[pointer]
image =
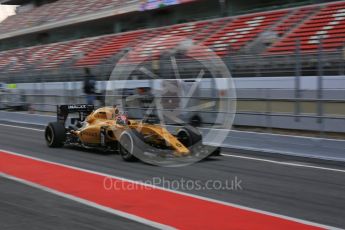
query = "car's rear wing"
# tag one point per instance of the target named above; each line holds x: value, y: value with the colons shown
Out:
x: 82, y: 109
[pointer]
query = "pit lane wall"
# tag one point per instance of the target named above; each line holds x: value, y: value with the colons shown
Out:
x: 269, y: 102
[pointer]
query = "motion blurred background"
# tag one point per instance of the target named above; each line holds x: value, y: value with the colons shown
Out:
x: 6, y: 11
x: 286, y: 57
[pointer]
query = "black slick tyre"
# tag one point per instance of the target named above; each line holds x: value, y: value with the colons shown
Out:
x: 55, y: 135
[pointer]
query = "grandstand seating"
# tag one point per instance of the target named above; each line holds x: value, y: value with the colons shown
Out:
x: 224, y: 35
x: 114, y: 44
x: 6, y: 58
x: 237, y: 33
x: 73, y: 51
x: 172, y: 37
x: 57, y: 11
x: 294, y: 18
x: 328, y: 24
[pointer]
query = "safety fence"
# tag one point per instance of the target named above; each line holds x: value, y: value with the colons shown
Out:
x: 273, y: 109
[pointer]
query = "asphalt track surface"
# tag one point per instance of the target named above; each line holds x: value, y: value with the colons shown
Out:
x: 303, y: 190
x: 24, y: 207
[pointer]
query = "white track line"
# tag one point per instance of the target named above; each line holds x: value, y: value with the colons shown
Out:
x: 22, y: 127
x: 89, y: 203
x: 30, y: 114
x: 286, y: 135
x: 179, y: 192
x: 284, y: 163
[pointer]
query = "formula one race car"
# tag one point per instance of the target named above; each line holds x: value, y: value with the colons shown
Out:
x: 109, y: 129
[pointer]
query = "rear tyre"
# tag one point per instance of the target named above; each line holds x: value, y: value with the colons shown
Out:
x: 55, y: 135
x: 127, y: 147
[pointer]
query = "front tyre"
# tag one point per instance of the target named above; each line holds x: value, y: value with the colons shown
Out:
x: 189, y: 136
x: 192, y: 139
x: 127, y: 147
x: 55, y: 135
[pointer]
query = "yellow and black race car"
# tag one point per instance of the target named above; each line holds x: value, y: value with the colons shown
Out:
x: 108, y: 129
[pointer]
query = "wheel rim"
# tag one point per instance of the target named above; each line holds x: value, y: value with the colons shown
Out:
x: 49, y: 135
x: 126, y: 146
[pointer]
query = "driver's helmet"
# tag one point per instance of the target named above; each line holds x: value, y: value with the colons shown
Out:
x: 122, y: 119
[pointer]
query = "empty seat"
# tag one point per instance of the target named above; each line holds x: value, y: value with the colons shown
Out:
x: 221, y: 36
x: 326, y: 26
x: 238, y: 32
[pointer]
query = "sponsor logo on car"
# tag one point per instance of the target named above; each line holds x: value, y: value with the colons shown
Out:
x: 77, y: 107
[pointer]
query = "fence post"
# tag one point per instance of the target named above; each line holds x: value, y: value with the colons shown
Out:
x: 223, y: 10
x: 268, y: 110
x: 41, y: 93
x: 320, y: 86
x: 297, y: 80
x: 74, y: 90
x: 342, y: 60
